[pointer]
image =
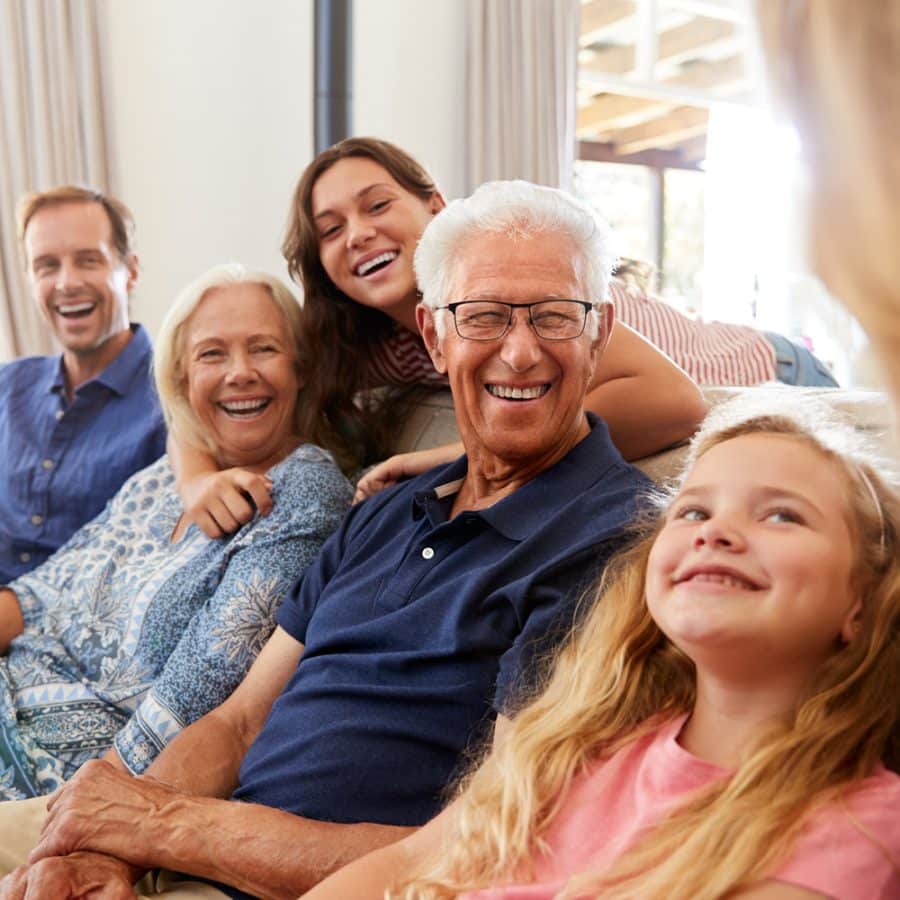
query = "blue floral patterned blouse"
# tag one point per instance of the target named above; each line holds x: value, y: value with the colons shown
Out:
x: 130, y: 637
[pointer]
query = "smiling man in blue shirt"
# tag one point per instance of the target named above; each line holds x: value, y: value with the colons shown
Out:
x: 418, y: 625
x: 74, y: 427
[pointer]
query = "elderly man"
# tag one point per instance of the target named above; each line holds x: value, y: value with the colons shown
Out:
x: 422, y: 616
x: 73, y: 428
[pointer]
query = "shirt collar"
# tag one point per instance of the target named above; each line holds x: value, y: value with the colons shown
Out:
x: 119, y: 375
x: 129, y: 364
x: 525, y: 509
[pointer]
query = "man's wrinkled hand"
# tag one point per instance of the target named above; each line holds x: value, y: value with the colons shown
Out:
x: 104, y: 810
x: 81, y: 876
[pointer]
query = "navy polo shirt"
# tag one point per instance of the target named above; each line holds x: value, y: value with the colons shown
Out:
x: 417, y: 628
x: 59, y: 461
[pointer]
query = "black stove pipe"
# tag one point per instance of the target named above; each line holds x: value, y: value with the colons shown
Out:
x: 333, y: 72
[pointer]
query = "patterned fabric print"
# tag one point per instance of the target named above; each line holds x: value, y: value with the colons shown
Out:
x: 129, y: 637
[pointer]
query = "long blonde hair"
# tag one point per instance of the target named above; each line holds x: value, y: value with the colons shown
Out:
x: 619, y: 677
x: 834, y: 66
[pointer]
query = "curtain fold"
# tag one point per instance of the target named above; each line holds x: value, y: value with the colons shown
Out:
x: 522, y: 67
x: 52, y: 132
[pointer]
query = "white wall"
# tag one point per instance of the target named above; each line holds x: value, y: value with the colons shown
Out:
x: 210, y: 104
x: 410, y: 81
x: 211, y: 116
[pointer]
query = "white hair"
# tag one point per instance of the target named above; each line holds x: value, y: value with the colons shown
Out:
x: 520, y: 210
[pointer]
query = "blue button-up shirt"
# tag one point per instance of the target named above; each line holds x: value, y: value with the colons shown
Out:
x: 59, y: 461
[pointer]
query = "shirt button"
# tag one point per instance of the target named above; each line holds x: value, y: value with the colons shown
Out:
x: 427, y: 553
x: 24, y: 557
x: 59, y: 414
x: 36, y: 519
x: 47, y: 463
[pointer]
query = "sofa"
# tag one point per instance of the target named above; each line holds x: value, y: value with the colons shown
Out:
x: 432, y: 422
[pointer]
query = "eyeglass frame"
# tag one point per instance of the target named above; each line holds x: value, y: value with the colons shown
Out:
x: 586, y: 305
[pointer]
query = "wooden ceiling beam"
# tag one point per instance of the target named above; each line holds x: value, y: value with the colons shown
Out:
x: 598, y: 15
x: 606, y: 111
x: 596, y: 151
x: 693, y: 149
x: 674, y: 45
x: 684, y: 122
x: 616, y: 111
x: 663, y: 141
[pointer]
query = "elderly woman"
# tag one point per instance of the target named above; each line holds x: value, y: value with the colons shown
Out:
x: 140, y: 624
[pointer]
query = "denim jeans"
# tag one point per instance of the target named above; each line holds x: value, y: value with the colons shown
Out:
x: 796, y: 365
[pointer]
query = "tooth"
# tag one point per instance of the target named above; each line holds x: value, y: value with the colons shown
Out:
x: 74, y: 307
x: 366, y: 267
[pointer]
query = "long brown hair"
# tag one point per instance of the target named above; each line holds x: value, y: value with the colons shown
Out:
x: 343, y: 331
x: 620, y: 676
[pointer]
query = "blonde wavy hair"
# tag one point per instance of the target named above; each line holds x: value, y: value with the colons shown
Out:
x: 834, y: 68
x: 619, y: 677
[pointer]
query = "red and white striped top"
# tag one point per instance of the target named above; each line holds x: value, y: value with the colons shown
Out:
x: 402, y: 359
x: 710, y: 352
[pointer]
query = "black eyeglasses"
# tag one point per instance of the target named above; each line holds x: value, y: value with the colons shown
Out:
x: 490, y: 320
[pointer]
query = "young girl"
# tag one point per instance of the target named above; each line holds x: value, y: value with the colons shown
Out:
x: 357, y: 214
x: 724, y: 722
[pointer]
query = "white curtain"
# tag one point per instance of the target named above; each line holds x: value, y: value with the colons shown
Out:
x: 51, y: 133
x: 523, y: 58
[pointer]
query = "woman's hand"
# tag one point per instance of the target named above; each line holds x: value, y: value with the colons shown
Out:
x: 403, y: 465
x: 220, y: 502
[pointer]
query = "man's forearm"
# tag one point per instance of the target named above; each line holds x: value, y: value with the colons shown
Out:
x: 204, y: 759
x: 11, y: 622
x: 263, y: 851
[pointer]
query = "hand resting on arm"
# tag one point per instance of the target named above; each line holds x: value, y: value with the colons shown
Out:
x: 219, y: 501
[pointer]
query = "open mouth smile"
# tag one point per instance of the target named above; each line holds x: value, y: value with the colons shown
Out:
x: 375, y: 264
x: 724, y: 577
x: 505, y: 392
x: 244, y: 409
x: 75, y: 310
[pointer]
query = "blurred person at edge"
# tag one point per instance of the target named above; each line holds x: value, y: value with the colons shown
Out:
x: 835, y: 73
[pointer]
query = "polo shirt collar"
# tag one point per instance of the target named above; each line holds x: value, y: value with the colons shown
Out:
x: 524, y: 511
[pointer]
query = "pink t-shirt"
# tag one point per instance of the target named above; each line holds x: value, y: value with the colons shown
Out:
x: 616, y: 800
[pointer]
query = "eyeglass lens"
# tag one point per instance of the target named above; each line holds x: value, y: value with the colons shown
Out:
x: 553, y: 320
